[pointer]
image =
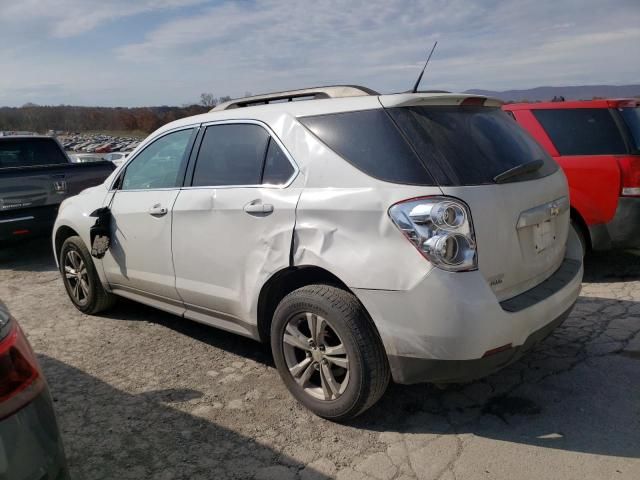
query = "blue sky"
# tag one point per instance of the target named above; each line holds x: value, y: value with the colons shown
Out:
x: 167, y: 52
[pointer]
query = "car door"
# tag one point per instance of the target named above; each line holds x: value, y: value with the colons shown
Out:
x: 139, y: 261
x: 233, y: 225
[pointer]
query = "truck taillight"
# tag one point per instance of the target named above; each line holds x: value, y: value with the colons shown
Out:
x: 20, y: 377
x: 440, y: 228
x: 630, y: 169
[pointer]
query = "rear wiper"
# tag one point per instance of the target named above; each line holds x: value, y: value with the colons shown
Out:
x: 528, y: 167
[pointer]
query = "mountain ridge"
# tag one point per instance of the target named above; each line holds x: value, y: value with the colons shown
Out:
x: 570, y: 92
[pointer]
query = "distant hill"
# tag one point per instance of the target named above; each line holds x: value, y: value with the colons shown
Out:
x: 577, y: 92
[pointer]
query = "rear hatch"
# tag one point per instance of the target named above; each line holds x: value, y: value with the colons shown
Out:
x: 473, y: 151
x: 517, y: 195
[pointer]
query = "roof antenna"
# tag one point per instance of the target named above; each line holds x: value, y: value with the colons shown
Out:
x: 415, y: 87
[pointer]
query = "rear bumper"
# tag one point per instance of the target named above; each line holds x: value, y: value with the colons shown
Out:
x: 440, y: 330
x: 410, y: 370
x: 17, y: 224
x: 621, y: 232
x: 30, y: 443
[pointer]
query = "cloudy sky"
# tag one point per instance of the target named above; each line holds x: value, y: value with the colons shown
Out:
x: 166, y: 52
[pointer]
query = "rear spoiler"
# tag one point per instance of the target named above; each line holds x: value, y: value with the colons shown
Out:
x: 437, y: 99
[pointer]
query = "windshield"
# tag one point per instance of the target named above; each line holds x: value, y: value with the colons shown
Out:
x: 471, y: 145
x: 631, y: 117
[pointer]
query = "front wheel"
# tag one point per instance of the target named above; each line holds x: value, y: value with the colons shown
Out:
x: 328, y: 352
x: 81, y: 279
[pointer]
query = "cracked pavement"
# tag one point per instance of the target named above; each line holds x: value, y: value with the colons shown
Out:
x: 143, y: 394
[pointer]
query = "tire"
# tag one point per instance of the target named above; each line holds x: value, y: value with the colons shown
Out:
x: 581, y: 237
x: 88, y: 295
x: 323, y: 384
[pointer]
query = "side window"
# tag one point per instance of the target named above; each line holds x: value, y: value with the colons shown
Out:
x: 158, y: 165
x: 582, y: 131
x: 231, y: 154
x: 277, y: 168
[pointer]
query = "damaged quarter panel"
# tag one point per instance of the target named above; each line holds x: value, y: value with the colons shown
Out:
x: 346, y: 229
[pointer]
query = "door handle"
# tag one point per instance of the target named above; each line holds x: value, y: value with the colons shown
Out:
x: 256, y: 207
x: 158, y: 211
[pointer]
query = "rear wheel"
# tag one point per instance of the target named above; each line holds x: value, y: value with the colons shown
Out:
x: 81, y: 279
x: 328, y: 352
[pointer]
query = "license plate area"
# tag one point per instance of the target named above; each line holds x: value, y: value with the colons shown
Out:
x: 544, y: 235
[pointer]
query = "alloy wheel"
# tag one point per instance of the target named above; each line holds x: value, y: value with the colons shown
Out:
x: 75, y: 272
x: 316, y: 356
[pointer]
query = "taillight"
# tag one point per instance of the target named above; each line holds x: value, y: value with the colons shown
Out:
x: 20, y: 377
x: 630, y: 169
x: 440, y: 228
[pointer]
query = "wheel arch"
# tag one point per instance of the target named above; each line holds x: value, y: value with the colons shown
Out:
x: 62, y: 233
x: 286, y: 281
x: 582, y: 225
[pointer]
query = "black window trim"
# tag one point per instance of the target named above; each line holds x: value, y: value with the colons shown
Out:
x: 116, y: 183
x: 188, y: 183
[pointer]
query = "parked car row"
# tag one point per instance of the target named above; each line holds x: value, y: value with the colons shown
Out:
x: 115, y: 157
x: 98, y: 143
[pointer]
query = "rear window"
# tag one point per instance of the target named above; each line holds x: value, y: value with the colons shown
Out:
x: 30, y: 152
x: 370, y: 141
x: 582, y: 131
x: 470, y: 145
x: 631, y: 117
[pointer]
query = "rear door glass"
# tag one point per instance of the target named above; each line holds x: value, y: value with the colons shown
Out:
x: 231, y: 154
x: 470, y: 145
x: 582, y: 131
x: 277, y: 167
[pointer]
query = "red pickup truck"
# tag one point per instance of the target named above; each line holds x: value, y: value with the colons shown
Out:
x: 597, y: 143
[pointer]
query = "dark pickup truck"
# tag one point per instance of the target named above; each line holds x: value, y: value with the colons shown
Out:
x: 35, y: 177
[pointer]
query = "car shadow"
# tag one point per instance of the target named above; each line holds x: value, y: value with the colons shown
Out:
x: 244, y: 347
x: 29, y: 255
x: 109, y: 433
x: 611, y: 267
x: 572, y: 392
x: 575, y: 391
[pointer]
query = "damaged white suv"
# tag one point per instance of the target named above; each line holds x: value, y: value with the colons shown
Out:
x: 420, y: 237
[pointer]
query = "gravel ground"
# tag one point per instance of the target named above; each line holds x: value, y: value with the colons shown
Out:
x: 142, y: 394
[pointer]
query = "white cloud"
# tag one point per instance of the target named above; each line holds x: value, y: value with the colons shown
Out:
x: 229, y: 47
x: 69, y: 18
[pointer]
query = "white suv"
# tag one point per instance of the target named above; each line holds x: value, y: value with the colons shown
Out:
x: 421, y: 237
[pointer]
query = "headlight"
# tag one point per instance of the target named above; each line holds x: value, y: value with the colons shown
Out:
x: 440, y: 228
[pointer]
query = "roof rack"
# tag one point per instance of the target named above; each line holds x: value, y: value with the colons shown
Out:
x: 316, y: 93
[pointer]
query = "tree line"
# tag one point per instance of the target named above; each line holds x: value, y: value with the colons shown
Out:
x: 77, y: 119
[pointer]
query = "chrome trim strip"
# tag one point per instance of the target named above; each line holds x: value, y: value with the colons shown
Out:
x: 19, y: 219
x: 541, y: 213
